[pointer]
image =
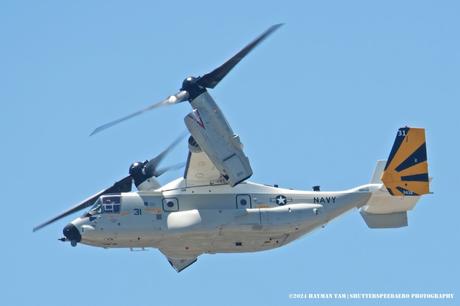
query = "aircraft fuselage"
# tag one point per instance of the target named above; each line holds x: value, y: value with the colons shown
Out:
x: 192, y: 220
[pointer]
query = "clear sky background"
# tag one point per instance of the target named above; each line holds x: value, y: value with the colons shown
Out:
x: 316, y: 104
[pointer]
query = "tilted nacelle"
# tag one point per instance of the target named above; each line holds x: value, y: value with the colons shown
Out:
x: 142, y: 180
x: 215, y: 137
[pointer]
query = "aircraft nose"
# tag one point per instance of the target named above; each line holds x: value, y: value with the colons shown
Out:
x: 71, y: 233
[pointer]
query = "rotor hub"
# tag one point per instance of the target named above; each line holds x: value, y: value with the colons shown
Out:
x: 192, y: 86
x: 136, y: 170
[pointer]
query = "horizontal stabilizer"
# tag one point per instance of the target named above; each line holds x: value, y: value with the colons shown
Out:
x: 392, y: 220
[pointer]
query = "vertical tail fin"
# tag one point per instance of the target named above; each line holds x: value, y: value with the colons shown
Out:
x: 378, y: 171
x: 406, y: 171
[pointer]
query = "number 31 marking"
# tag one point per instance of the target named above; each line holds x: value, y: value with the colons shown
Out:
x: 137, y: 211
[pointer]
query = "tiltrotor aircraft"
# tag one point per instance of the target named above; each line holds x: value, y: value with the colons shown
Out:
x: 214, y: 209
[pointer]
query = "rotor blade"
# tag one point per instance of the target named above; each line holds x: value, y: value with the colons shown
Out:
x: 150, y: 168
x: 210, y: 80
x: 178, y: 97
x: 123, y: 185
x: 169, y: 168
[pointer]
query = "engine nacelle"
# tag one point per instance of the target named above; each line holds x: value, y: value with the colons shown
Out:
x: 214, y: 136
x: 141, y: 180
x: 149, y: 184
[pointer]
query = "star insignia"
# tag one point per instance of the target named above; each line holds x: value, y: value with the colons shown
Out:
x: 281, y: 200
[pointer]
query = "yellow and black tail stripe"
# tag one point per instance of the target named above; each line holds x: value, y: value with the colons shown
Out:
x: 406, y: 171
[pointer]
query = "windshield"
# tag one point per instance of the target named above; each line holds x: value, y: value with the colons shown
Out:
x: 96, y: 209
x: 106, y: 204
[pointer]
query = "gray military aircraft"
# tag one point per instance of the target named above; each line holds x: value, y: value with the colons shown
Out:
x: 214, y: 209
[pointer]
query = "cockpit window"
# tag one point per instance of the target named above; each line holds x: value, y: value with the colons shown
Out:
x: 96, y: 209
x: 110, y: 204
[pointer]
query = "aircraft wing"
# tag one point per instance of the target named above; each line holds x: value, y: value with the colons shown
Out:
x: 201, y: 171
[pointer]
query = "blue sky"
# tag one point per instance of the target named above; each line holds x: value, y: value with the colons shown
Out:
x: 317, y: 104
